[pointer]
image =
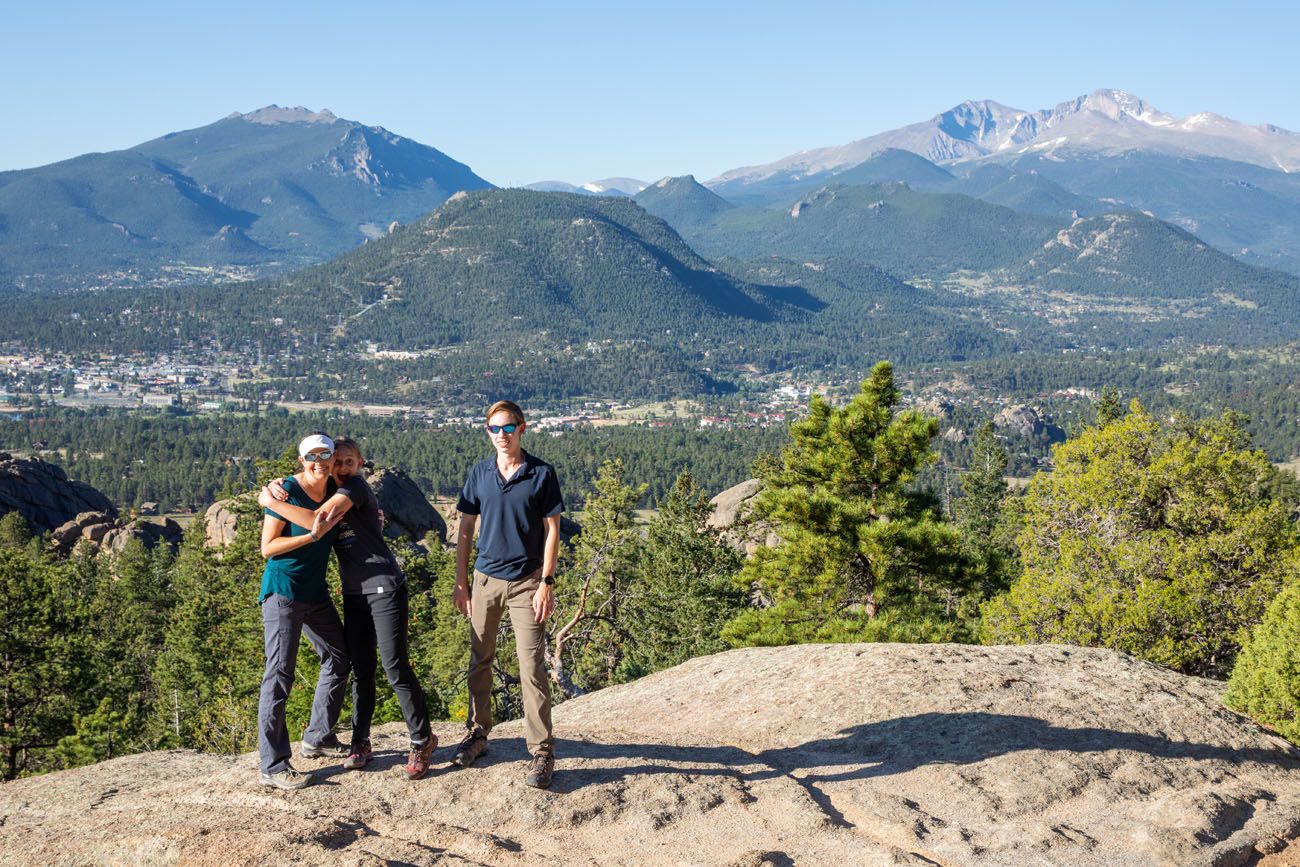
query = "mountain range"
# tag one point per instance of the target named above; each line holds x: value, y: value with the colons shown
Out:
x: 676, y: 290
x: 271, y: 189
x: 1233, y: 185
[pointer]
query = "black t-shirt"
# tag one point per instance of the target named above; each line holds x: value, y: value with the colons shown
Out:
x: 366, y: 565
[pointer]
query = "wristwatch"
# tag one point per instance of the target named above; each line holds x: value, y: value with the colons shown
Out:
x: 548, y: 580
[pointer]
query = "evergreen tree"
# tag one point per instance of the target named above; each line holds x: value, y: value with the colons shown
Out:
x: 43, y: 659
x: 863, y: 555
x: 208, y: 672
x: 1109, y: 406
x: 590, y: 637
x: 987, y: 527
x: 1165, y: 541
x: 1264, y: 682
x: 684, y: 589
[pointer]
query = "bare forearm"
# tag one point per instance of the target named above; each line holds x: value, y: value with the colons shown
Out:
x: 285, y: 544
x: 464, y: 542
x: 551, y: 551
x: 295, y: 514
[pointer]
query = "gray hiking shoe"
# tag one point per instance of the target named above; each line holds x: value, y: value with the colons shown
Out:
x: 331, y: 748
x: 540, y: 771
x: 474, y: 745
x: 286, y: 779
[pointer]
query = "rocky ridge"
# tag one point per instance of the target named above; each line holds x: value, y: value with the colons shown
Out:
x: 44, y: 495
x: 818, y: 754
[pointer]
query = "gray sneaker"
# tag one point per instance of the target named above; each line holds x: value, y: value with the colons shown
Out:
x: 286, y: 779
x: 331, y: 748
x: 540, y: 771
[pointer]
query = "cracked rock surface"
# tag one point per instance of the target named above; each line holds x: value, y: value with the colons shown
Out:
x: 819, y: 754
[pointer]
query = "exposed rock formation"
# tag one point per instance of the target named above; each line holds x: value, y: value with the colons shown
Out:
x: 222, y: 520
x: 1028, y: 421
x: 731, y: 511
x: 407, y: 510
x: 44, y: 495
x: 113, y: 534
x: 839, y: 754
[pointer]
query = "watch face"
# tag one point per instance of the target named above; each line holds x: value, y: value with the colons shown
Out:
x: 548, y: 579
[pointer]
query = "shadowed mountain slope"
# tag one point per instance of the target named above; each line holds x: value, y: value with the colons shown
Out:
x: 269, y: 189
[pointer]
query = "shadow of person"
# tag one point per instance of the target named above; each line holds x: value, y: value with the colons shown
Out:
x: 897, y: 746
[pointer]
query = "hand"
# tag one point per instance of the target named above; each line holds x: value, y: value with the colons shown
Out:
x: 276, y: 489
x: 460, y: 598
x: 543, y: 602
x: 382, y: 520
x: 321, y: 524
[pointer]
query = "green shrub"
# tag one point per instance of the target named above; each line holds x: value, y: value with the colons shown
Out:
x: 1265, y: 682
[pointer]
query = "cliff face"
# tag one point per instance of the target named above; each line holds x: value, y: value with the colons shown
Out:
x: 44, y: 495
x: 842, y: 754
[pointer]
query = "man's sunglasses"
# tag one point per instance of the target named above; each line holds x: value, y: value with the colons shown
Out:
x: 312, y: 457
x: 503, y: 428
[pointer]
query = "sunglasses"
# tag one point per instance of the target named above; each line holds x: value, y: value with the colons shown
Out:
x: 312, y: 457
x: 503, y: 428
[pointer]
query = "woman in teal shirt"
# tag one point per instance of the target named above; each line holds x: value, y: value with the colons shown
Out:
x: 295, y: 599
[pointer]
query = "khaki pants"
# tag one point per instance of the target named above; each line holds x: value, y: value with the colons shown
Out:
x: 490, y: 598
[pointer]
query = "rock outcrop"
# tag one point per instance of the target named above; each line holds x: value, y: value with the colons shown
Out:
x: 1028, y: 421
x: 112, y: 534
x: 222, y: 520
x: 819, y: 754
x: 407, y: 511
x: 731, y: 514
x: 44, y: 495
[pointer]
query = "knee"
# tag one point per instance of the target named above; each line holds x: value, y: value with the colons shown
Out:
x: 398, y: 672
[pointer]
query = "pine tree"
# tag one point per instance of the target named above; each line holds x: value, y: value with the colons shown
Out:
x: 684, y: 589
x: 590, y: 638
x: 1264, y: 682
x: 981, y: 515
x: 43, y: 659
x: 863, y: 555
x: 1163, y: 540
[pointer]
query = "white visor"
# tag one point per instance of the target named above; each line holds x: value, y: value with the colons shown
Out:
x: 315, y: 441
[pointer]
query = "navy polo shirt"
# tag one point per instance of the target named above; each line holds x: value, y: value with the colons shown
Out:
x: 511, y: 532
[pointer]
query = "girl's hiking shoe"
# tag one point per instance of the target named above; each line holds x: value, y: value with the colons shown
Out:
x: 286, y: 779
x: 357, y: 759
x: 331, y: 749
x: 474, y: 745
x: 418, y: 764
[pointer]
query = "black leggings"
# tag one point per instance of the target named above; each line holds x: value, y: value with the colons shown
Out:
x: 381, y: 619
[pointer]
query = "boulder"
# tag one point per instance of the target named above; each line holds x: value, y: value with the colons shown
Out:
x: 151, y: 533
x: 879, y: 754
x: 221, y: 520
x: 407, y: 511
x: 731, y: 514
x: 43, y: 494
x: 1028, y: 421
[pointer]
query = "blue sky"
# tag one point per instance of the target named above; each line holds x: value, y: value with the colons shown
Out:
x: 575, y: 91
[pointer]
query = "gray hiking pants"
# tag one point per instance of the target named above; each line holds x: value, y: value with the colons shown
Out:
x: 284, y: 621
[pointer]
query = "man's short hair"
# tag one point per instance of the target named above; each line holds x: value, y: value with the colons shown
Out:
x: 505, y: 406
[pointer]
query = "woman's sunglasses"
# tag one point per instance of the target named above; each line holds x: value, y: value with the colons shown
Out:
x: 503, y: 428
x: 312, y: 457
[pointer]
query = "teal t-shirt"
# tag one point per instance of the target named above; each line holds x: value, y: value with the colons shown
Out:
x: 299, y: 574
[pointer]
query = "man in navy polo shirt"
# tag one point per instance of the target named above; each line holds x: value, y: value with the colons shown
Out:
x: 517, y: 497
